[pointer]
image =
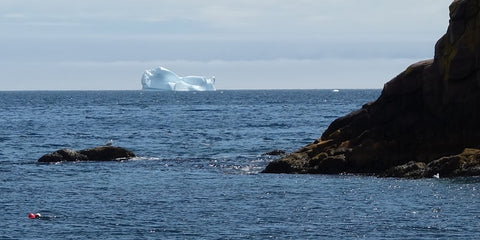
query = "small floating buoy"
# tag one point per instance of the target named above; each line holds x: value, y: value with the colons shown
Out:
x: 33, y: 216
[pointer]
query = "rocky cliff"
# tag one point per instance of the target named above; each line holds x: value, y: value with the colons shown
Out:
x: 426, y: 121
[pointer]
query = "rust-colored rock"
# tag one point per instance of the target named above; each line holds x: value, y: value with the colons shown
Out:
x: 429, y: 111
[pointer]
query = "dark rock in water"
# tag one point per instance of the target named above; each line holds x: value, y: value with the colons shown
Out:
x: 63, y: 155
x: 408, y: 170
x: 275, y: 153
x: 279, y: 167
x: 102, y: 153
x: 107, y: 153
x: 421, y: 123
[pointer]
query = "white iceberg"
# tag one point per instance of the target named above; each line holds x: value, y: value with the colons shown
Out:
x: 162, y: 79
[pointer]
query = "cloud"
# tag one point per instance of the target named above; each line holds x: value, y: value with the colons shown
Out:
x: 280, y: 17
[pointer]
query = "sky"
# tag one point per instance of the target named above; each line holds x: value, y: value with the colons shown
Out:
x: 248, y: 44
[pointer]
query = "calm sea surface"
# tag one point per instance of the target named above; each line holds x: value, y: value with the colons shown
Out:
x: 197, y: 172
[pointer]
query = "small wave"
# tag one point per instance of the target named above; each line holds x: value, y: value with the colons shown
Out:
x: 4, y: 139
x: 330, y: 116
x: 249, y: 167
x: 268, y: 125
x: 202, y: 110
x: 145, y: 159
x: 242, y: 169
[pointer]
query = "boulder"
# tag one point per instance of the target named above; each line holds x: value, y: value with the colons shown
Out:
x: 101, y: 153
x: 429, y: 111
x: 107, y: 153
x: 63, y: 155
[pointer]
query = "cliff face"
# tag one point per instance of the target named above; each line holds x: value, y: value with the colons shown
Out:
x: 429, y: 111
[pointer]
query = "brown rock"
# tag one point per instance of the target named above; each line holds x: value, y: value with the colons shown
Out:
x: 408, y: 170
x: 466, y: 163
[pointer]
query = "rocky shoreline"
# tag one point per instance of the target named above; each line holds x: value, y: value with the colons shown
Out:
x: 426, y: 121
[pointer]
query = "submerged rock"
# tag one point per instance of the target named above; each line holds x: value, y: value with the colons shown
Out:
x: 423, y: 121
x: 102, y: 153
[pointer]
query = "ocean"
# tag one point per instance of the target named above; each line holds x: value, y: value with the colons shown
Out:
x: 197, y: 171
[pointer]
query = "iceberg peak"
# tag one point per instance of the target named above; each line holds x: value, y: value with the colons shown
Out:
x: 162, y: 79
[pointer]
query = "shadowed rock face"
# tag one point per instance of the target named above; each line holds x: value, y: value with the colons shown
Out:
x: 429, y: 111
x: 102, y: 153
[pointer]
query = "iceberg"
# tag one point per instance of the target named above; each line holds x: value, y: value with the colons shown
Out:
x: 162, y: 79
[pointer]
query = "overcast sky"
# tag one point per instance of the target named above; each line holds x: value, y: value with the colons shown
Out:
x: 247, y: 44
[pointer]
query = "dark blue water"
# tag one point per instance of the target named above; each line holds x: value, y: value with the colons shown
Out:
x: 197, y: 174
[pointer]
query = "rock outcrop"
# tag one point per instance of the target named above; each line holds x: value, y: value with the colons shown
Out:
x: 102, y: 153
x: 466, y: 163
x: 421, y: 124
